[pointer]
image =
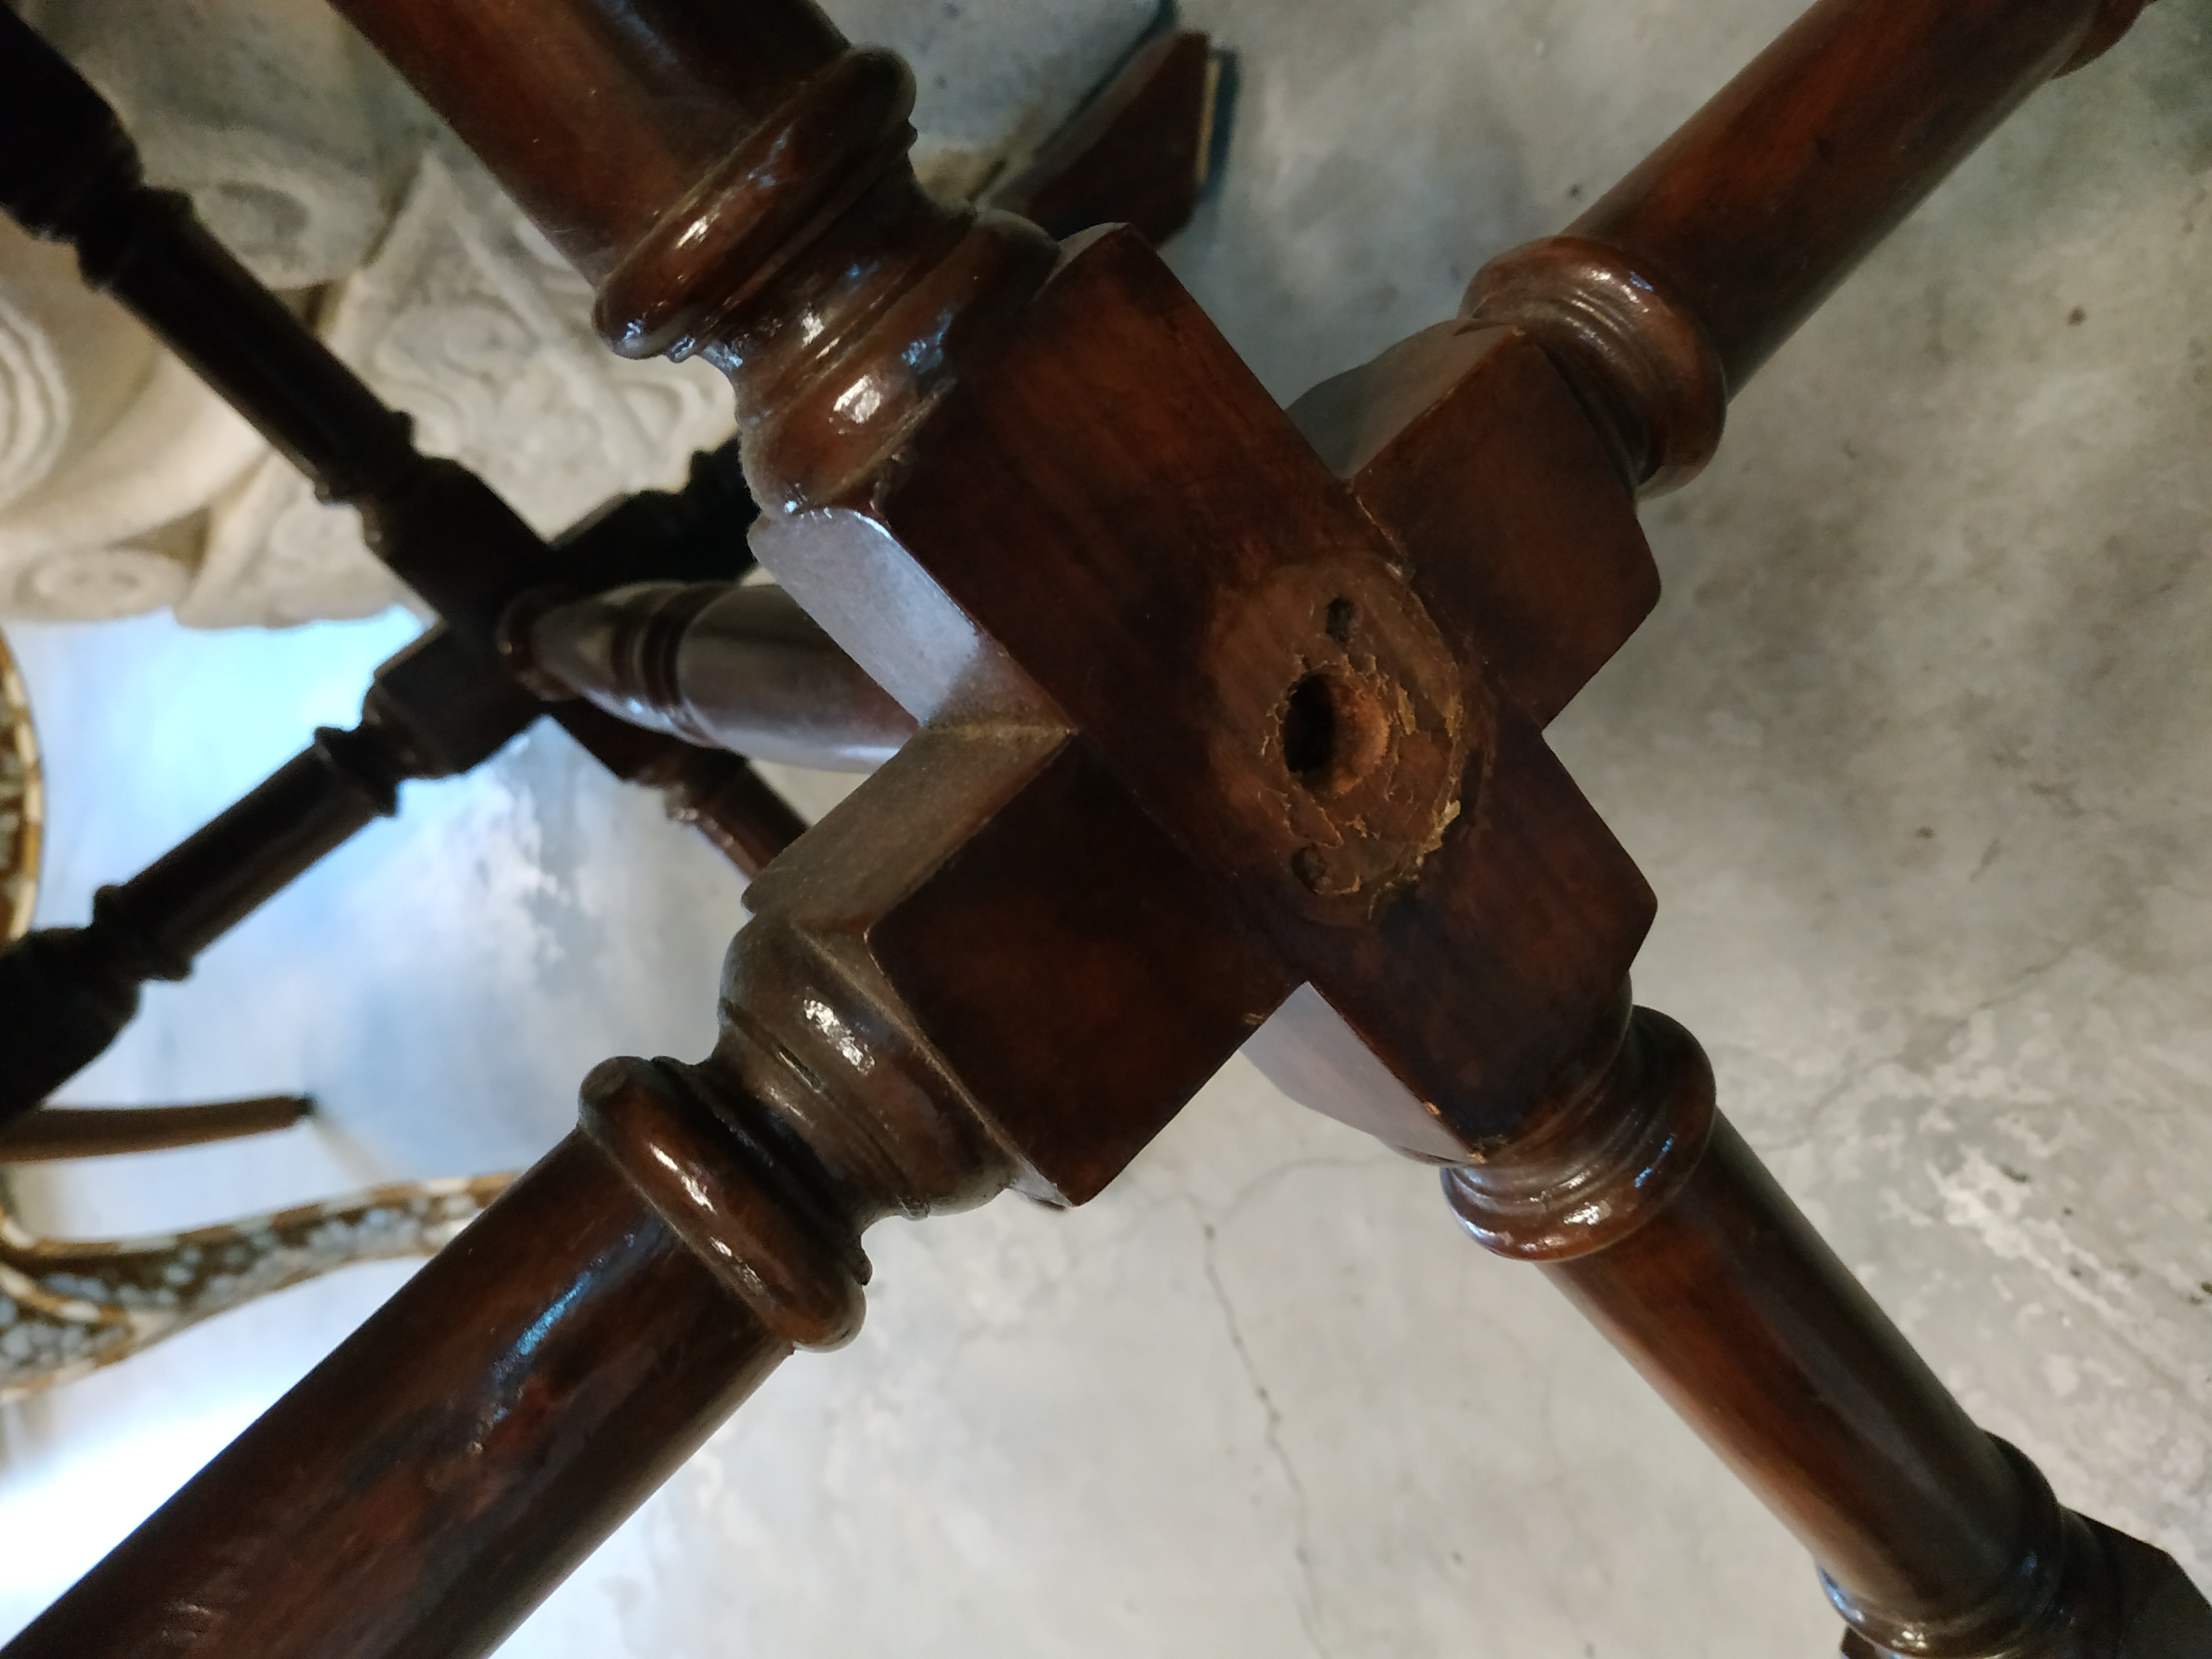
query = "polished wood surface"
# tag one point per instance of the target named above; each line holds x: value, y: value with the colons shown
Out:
x: 600, y: 119
x: 53, y: 1133
x: 1660, y: 1223
x: 723, y: 665
x: 1664, y: 298
x: 1219, y: 705
x: 430, y: 1481
x: 420, y: 1514
x: 70, y: 991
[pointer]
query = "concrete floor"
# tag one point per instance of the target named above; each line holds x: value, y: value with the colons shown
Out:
x: 1908, y: 752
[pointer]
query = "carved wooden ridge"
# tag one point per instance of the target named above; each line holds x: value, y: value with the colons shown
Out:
x: 1229, y: 716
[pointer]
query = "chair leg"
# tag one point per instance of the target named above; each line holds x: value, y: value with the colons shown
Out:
x: 1933, y: 1539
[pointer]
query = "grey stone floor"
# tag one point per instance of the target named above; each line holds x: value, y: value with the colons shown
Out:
x: 1914, y: 752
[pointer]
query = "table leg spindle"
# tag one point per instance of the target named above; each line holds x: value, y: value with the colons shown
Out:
x: 518, y: 1397
x: 1209, y: 722
x: 1933, y: 1539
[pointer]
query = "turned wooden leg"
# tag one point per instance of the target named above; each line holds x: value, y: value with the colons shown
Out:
x: 1662, y: 300
x: 429, y: 1482
x: 1210, y: 721
x: 70, y: 991
x: 1933, y: 1539
x: 485, y: 1428
x: 727, y: 664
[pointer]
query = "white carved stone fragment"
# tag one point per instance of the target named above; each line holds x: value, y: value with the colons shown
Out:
x: 108, y: 448
x: 124, y: 487
x: 467, y: 320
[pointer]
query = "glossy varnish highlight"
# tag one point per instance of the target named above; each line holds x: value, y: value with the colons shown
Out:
x: 1166, y: 643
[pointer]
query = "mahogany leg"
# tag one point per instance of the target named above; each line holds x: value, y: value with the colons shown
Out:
x: 1663, y: 300
x: 429, y: 1482
x: 70, y: 991
x: 725, y: 664
x: 55, y: 1132
x: 1933, y: 1539
x: 486, y: 1427
x: 1131, y: 601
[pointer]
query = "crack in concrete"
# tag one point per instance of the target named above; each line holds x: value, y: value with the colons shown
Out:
x: 1272, y: 1416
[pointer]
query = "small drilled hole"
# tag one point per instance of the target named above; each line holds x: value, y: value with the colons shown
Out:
x: 1333, y: 733
x: 1309, y: 728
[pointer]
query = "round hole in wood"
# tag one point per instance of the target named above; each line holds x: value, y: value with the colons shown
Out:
x: 1334, y: 731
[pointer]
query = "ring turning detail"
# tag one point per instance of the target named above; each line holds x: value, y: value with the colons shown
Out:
x: 1191, y: 717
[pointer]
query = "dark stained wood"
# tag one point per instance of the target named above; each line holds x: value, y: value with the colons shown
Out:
x: 722, y: 798
x: 426, y: 1485
x: 1647, y: 1208
x: 1466, y: 445
x: 963, y: 829
x: 1072, y: 967
x: 440, y: 528
x: 755, y: 141
x: 723, y: 665
x: 1136, y: 154
x: 53, y: 1133
x: 1167, y: 650
x: 1859, y: 109
x: 70, y: 991
x: 1635, y: 354
x: 1659, y: 1223
x: 1216, y: 601
x: 434, y: 709
x: 600, y: 119
x: 81, y: 181
x: 192, y: 895
x: 1728, y: 234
